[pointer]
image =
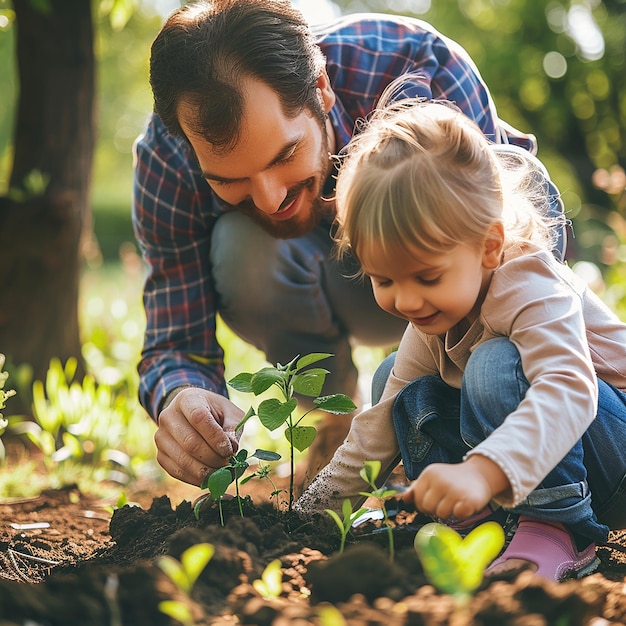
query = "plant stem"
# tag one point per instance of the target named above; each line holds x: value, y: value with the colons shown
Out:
x: 292, y: 466
x: 238, y: 497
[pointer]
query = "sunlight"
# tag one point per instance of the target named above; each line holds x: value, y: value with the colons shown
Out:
x: 318, y: 11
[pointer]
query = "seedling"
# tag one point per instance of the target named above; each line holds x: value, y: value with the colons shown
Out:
x: 270, y: 585
x: 454, y: 564
x: 345, y: 524
x: 218, y: 482
x: 4, y: 394
x: 184, y: 574
x: 263, y: 473
x: 274, y: 413
x: 369, y: 473
x: 122, y: 501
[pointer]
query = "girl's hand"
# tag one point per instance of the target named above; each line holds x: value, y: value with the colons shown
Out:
x: 458, y: 490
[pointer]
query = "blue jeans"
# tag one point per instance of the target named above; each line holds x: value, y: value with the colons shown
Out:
x: 289, y: 297
x: 436, y: 423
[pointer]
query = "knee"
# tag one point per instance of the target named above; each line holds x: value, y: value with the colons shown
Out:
x: 242, y: 262
x: 493, y: 381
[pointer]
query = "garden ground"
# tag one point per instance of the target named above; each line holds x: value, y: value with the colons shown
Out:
x: 65, y: 560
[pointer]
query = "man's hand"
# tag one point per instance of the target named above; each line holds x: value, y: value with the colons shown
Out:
x: 458, y: 490
x: 196, y: 434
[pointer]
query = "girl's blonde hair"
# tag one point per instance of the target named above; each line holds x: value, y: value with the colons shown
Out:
x: 422, y: 174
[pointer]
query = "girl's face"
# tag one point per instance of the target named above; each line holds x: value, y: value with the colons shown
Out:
x: 433, y: 291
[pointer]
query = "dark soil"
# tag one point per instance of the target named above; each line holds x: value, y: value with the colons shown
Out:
x: 78, y: 565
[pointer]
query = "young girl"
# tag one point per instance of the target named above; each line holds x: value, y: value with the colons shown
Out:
x: 509, y: 385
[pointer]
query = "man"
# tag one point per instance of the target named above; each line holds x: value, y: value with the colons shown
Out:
x: 233, y: 204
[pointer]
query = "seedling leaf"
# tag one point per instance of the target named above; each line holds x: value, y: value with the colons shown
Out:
x: 264, y: 379
x: 176, y: 610
x: 217, y: 483
x: 455, y: 565
x: 174, y: 571
x: 310, y: 383
x: 338, y: 404
x: 266, y: 455
x: 369, y: 472
x: 250, y: 413
x: 309, y: 359
x: 273, y: 413
x: 300, y: 437
x: 242, y: 382
x: 271, y: 583
x: 195, y: 559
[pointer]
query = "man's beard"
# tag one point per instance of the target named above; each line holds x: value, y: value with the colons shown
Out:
x: 321, y: 209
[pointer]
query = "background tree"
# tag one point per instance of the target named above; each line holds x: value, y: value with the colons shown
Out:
x: 44, y: 213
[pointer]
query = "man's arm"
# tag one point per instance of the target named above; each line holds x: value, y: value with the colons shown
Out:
x: 181, y: 369
x: 173, y: 214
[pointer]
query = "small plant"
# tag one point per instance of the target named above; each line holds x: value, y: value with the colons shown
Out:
x: 122, y: 501
x: 184, y: 574
x: 273, y: 413
x: 82, y: 428
x: 345, y: 524
x: 270, y: 585
x: 454, y: 564
x: 218, y: 482
x: 263, y: 473
x: 369, y: 473
x: 4, y: 394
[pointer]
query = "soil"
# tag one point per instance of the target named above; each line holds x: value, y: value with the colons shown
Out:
x: 65, y: 560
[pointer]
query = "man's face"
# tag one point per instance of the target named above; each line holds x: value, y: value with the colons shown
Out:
x: 276, y: 171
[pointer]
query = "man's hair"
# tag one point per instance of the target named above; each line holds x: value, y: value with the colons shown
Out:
x: 205, y: 51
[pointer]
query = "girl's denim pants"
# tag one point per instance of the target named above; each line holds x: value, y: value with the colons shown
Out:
x: 436, y: 423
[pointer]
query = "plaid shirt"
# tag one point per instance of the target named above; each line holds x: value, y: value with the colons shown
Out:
x: 175, y: 209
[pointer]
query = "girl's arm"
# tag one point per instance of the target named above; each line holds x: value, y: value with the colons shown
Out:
x: 538, y: 304
x: 371, y: 437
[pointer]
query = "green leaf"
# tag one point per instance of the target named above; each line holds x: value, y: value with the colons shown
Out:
x: 266, y: 455
x: 338, y: 404
x: 195, y: 559
x: 176, y: 610
x: 250, y: 413
x: 264, y: 379
x: 310, y: 383
x: 346, y: 509
x: 242, y: 382
x: 241, y: 455
x: 271, y: 583
x: 337, y: 519
x: 454, y: 564
x: 218, y: 482
x: 314, y: 357
x: 300, y: 437
x: 274, y: 413
x: 330, y: 615
x: 174, y: 571
x: 369, y: 472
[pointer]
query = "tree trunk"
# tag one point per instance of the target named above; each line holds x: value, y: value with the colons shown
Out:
x: 43, y: 216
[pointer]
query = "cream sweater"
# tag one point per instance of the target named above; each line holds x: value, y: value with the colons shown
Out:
x: 565, y: 336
